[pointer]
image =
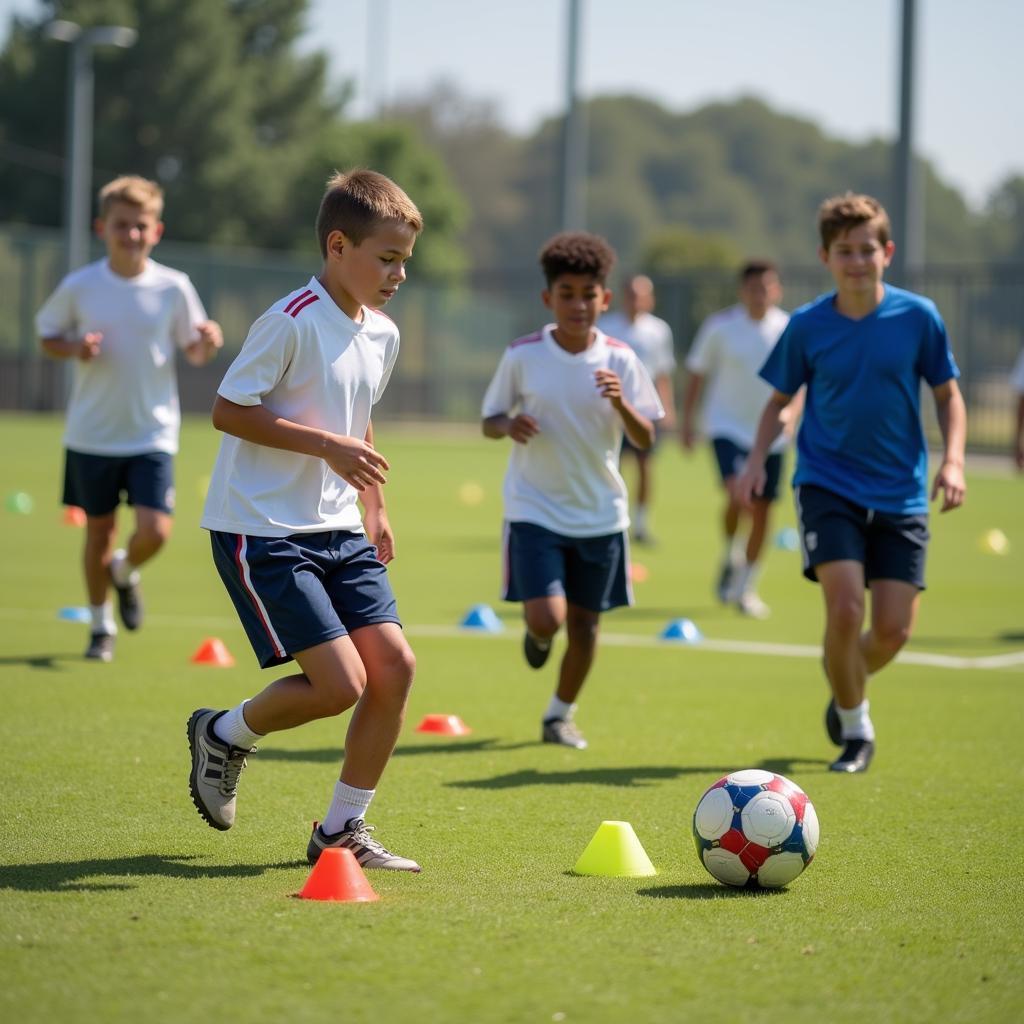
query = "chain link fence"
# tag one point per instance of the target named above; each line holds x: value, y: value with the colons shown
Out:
x: 453, y: 333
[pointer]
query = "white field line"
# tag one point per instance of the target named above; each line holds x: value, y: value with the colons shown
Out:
x: 757, y: 648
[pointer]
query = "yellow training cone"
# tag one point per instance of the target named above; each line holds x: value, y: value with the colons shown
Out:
x: 615, y: 852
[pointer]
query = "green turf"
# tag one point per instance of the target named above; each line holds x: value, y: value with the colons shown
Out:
x: 118, y: 903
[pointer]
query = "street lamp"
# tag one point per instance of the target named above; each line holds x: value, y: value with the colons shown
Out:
x: 78, y: 175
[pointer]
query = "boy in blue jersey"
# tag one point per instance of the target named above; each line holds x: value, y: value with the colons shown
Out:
x: 862, y: 461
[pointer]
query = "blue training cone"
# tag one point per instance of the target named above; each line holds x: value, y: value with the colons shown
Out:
x: 75, y: 614
x: 483, y: 618
x: 787, y: 539
x: 683, y: 631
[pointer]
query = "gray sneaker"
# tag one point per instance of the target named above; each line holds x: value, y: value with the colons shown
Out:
x: 565, y: 732
x: 101, y: 647
x: 216, y: 766
x: 726, y: 583
x: 356, y: 837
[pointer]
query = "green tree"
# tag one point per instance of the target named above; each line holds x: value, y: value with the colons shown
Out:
x: 215, y: 102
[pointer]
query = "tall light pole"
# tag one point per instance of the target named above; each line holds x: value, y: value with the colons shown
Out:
x: 908, y: 219
x: 78, y: 161
x: 574, y: 134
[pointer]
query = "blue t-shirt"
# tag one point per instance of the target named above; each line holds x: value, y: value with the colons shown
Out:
x: 861, y: 434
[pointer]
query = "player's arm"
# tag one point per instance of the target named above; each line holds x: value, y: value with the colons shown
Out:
x: 85, y: 348
x: 952, y: 416
x: 639, y: 429
x: 691, y: 402
x: 206, y: 346
x: 667, y: 393
x: 352, y: 458
x: 520, y: 428
x: 375, y: 517
x: 750, y: 482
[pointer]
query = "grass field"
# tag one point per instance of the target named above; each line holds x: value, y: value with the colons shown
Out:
x: 119, y: 903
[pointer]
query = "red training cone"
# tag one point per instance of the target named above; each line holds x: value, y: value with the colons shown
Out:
x: 337, y: 876
x: 74, y: 516
x: 445, y: 725
x: 213, y: 652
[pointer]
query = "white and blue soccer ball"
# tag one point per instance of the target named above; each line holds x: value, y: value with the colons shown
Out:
x: 755, y: 828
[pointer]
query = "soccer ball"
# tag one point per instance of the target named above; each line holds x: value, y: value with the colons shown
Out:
x: 755, y: 828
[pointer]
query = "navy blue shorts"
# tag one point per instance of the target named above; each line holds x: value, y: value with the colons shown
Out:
x: 590, y: 572
x: 890, y: 547
x: 730, y: 457
x: 293, y: 593
x: 96, y: 483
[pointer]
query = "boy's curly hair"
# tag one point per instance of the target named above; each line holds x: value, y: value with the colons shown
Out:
x: 577, y: 252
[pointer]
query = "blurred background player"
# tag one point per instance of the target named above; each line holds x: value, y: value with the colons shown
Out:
x: 121, y: 319
x: 307, y: 578
x: 861, y: 478
x: 565, y: 396
x: 723, y: 364
x: 650, y: 338
x: 1017, y: 386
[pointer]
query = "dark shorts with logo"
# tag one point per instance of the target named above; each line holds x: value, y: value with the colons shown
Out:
x: 731, y: 457
x: 833, y: 528
x: 97, y: 483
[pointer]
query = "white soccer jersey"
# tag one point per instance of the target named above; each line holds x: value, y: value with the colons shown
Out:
x: 566, y: 478
x: 648, y: 336
x: 729, y: 350
x: 306, y: 361
x: 125, y: 401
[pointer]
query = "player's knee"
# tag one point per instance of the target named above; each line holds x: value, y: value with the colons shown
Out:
x: 156, y: 534
x: 337, y: 699
x: 391, y: 677
x: 891, y: 636
x: 846, y: 613
x: 542, y: 622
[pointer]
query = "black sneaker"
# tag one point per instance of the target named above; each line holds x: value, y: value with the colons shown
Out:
x: 833, y: 726
x: 129, y: 603
x: 565, y: 732
x: 856, y: 756
x: 726, y: 583
x: 536, y: 651
x: 101, y: 647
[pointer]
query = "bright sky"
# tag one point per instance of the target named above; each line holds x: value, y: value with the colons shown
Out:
x: 830, y: 61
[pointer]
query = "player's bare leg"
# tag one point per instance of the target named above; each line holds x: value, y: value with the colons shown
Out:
x: 641, y: 509
x: 894, y: 605
x: 842, y: 584
x: 745, y: 588
x: 96, y: 555
x: 543, y: 617
x: 581, y: 627
x: 725, y: 585
x: 152, y: 530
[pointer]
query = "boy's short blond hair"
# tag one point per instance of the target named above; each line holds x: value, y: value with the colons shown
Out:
x: 130, y: 188
x: 839, y: 214
x: 356, y: 202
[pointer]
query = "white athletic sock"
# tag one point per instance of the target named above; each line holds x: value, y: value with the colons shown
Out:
x: 856, y: 722
x: 122, y: 571
x: 747, y: 579
x: 347, y: 803
x: 231, y: 727
x: 103, y: 618
x: 640, y: 519
x: 559, y: 709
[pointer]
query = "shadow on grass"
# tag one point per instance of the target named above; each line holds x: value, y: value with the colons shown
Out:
x: 707, y: 891
x: 71, y: 876
x: 334, y: 754
x: 639, y: 775
x: 50, y: 662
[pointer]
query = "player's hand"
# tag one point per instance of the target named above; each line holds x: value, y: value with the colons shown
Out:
x: 748, y: 484
x: 90, y: 346
x: 522, y: 427
x: 950, y: 480
x: 609, y: 385
x: 357, y: 462
x: 210, y: 336
x: 378, y: 530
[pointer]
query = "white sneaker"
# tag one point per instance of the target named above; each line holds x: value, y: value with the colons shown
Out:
x: 751, y: 605
x: 216, y: 765
x: 356, y: 837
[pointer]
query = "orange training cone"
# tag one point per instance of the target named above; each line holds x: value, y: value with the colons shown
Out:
x: 74, y: 516
x: 445, y: 725
x: 213, y: 652
x: 337, y: 876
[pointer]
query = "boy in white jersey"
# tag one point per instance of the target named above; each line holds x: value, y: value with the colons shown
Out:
x: 121, y: 319
x: 650, y: 338
x: 565, y: 396
x: 307, y: 579
x: 723, y: 364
